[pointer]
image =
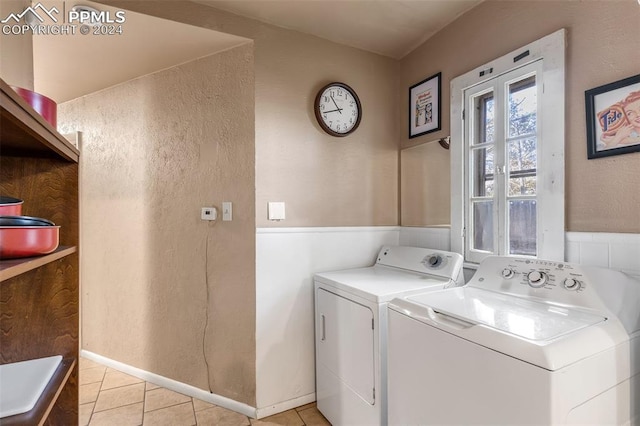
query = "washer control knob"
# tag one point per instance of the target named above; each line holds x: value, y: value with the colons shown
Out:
x: 507, y: 273
x: 537, y: 279
x: 571, y: 284
x: 433, y: 261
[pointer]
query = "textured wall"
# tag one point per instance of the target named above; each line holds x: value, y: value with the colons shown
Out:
x: 325, y: 181
x: 154, y: 151
x: 602, y: 47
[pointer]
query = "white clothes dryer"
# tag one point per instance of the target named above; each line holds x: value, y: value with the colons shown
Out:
x: 351, y: 327
x: 526, y: 341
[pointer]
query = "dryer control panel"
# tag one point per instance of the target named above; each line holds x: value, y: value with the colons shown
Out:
x: 423, y: 260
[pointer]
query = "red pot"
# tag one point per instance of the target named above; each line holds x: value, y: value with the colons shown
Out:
x: 10, y: 206
x: 23, y: 236
x: 44, y: 106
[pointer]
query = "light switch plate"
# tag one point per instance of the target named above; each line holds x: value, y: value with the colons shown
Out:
x: 276, y: 210
x: 227, y: 210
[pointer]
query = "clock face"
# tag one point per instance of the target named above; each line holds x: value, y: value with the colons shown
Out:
x: 338, y: 109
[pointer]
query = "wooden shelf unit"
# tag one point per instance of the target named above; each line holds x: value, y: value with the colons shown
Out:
x: 39, y: 314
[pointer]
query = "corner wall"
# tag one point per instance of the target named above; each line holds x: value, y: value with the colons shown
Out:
x: 602, y: 47
x: 162, y: 289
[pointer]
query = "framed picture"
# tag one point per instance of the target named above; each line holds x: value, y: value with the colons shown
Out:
x: 424, y: 106
x: 613, y: 118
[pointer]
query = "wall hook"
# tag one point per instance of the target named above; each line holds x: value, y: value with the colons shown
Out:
x: 445, y: 142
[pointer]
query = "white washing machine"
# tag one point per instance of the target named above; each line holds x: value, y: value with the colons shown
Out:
x: 351, y: 327
x: 524, y: 342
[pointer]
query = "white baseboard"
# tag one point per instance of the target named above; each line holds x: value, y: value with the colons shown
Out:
x: 284, y: 406
x: 173, y: 385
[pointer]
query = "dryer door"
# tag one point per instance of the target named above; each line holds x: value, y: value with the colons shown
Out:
x: 344, y: 338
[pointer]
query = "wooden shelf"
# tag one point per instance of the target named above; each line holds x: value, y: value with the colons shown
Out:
x: 43, y: 407
x: 10, y: 268
x: 27, y: 133
x: 39, y: 311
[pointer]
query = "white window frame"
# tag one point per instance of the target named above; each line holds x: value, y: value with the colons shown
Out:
x: 550, y: 51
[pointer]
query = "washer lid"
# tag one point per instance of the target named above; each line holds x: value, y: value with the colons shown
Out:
x: 521, y: 317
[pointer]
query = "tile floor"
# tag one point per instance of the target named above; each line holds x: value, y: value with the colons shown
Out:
x: 109, y: 397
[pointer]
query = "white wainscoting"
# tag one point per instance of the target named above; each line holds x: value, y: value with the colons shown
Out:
x: 615, y: 251
x: 608, y: 250
x: 286, y: 259
x: 437, y: 238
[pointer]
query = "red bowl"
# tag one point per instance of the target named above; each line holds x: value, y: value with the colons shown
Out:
x: 28, y: 241
x: 23, y: 236
x: 44, y: 106
x: 10, y: 206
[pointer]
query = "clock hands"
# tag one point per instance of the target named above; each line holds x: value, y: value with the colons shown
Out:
x: 348, y: 108
x: 338, y: 108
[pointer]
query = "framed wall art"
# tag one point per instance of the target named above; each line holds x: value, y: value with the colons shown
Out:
x: 424, y: 106
x: 613, y: 118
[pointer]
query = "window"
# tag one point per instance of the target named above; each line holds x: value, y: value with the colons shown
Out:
x: 507, y: 164
x: 501, y: 168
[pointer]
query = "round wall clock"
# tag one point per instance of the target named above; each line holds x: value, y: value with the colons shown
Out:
x: 338, y: 109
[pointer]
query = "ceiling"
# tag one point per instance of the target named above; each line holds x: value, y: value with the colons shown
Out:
x: 391, y: 28
x: 70, y: 66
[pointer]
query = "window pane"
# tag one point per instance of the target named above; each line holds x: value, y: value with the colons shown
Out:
x: 482, y: 166
x: 484, y: 132
x: 523, y: 104
x: 522, y: 227
x: 483, y: 226
x: 522, y: 167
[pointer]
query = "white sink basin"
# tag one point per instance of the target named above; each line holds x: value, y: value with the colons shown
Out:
x: 22, y: 383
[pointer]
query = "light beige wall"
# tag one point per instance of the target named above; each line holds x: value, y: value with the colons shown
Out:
x: 421, y: 199
x: 324, y: 181
x: 16, y: 51
x: 155, y: 150
x: 602, y: 47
